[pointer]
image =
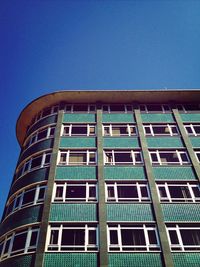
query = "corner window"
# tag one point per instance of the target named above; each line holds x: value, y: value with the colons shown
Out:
x: 78, y: 130
x: 176, y: 157
x: 73, y: 157
x: 156, y: 130
x: 184, y: 238
x: 72, y: 238
x: 121, y: 192
x: 127, y: 157
x: 70, y: 191
x: 132, y: 238
x: 119, y: 130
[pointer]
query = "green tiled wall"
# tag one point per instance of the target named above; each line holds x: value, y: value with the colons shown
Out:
x: 21, y: 217
x: 162, y: 117
x: 43, y: 122
x: 195, y: 141
x: 79, y: 117
x: 75, y: 173
x: 42, y: 145
x: 121, y: 142
x: 186, y: 259
x: 70, y: 260
x: 124, y: 173
x: 118, y: 118
x: 190, y: 117
x: 18, y: 261
x: 129, y: 212
x: 181, y: 212
x: 164, y: 142
x: 73, y: 212
x: 30, y: 178
x: 135, y: 260
x: 174, y: 173
x: 78, y: 142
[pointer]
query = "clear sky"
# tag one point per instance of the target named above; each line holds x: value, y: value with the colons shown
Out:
x: 51, y: 45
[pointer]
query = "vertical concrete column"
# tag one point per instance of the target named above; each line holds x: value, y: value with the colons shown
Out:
x: 187, y: 142
x: 39, y: 259
x: 102, y: 217
x: 157, y: 209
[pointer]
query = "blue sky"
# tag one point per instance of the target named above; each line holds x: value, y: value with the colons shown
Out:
x: 51, y: 45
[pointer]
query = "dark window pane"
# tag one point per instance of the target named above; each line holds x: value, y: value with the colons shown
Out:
x: 28, y: 197
x: 123, y: 157
x: 173, y: 237
x: 132, y: 237
x: 116, y: 108
x: 147, y: 130
x: 144, y: 191
x: 162, y: 192
x: 19, y: 242
x: 190, y: 237
x: 127, y: 192
x: 184, y: 157
x: 179, y: 192
x: 59, y: 191
x: 33, y: 239
x: 66, y: 130
x: 80, y: 108
x: 42, y: 134
x: 54, y: 237
x: 41, y: 193
x: 154, y: 108
x: 92, y: 191
x: 169, y: 157
x: 76, y: 192
x: 152, y: 237
x: 113, y: 237
x: 36, y: 162
x: 189, y: 129
x: 138, y: 157
x: 197, y: 129
x: 78, y: 130
x: 92, y: 237
x: 73, y: 237
x: 46, y: 112
x: 111, y: 191
x: 196, y: 191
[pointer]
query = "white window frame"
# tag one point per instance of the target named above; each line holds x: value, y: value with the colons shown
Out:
x: 120, y: 248
x: 116, y: 198
x: 69, y: 108
x: 64, y: 186
x: 191, y: 126
x: 68, y: 153
x: 150, y: 126
x: 28, y: 248
x: 159, y: 161
x: 190, y: 187
x: 112, y: 152
x: 70, y: 126
x: 110, y: 126
x: 128, y: 108
x: 27, y: 163
x: 180, y: 246
x: 144, y: 108
x: 20, y: 196
x: 33, y: 138
x: 85, y: 247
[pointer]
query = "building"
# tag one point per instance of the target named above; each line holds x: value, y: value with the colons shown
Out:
x: 106, y: 178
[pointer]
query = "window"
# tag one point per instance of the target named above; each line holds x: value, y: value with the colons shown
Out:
x: 132, y: 238
x: 71, y: 191
x: 150, y: 108
x: 117, y: 157
x: 160, y: 129
x: 184, y: 238
x: 117, y: 108
x: 30, y: 196
x: 119, y: 130
x: 89, y: 108
x: 73, y: 157
x: 37, y: 161
x: 127, y: 192
x: 176, y: 157
x: 78, y: 130
x: 192, y: 129
x: 45, y: 112
x: 72, y: 238
x: 23, y: 241
x: 184, y: 192
x: 44, y: 133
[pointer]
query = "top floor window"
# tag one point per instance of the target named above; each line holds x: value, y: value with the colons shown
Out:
x: 78, y: 130
x: 187, y: 107
x: 121, y: 108
x: 46, y: 112
x: 160, y: 129
x: 85, y: 108
x: 119, y: 130
x: 192, y: 129
x: 148, y: 108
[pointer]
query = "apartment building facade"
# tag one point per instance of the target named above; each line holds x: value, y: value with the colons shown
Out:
x: 106, y: 178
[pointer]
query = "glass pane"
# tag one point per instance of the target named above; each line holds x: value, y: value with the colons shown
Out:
x: 33, y: 240
x: 79, y: 130
x: 147, y: 130
x: 174, y: 130
x: 76, y: 191
x: 160, y: 130
x: 197, y: 129
x: 113, y: 237
x: 123, y: 157
x: 111, y: 191
x: 162, y: 191
x: 196, y: 191
x: 59, y: 191
x: 42, y: 134
x: 116, y: 108
x: 168, y: 157
x: 73, y: 237
x: 133, y: 237
x: 154, y: 157
x: 154, y: 107
x: 184, y: 157
x: 179, y: 192
x: 173, y: 237
x: 54, y: 237
x: 133, y: 130
x: 92, y: 237
x: 66, y: 130
x: 190, y: 236
x: 28, y: 197
x: 152, y: 237
x: 41, y: 193
x: 19, y: 242
x: 127, y: 191
x: 81, y: 108
x: 92, y: 191
x: 138, y: 157
x: 77, y: 158
x: 189, y: 129
x: 144, y: 191
x: 36, y: 162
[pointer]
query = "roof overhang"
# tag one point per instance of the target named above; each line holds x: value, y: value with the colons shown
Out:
x: 105, y: 96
